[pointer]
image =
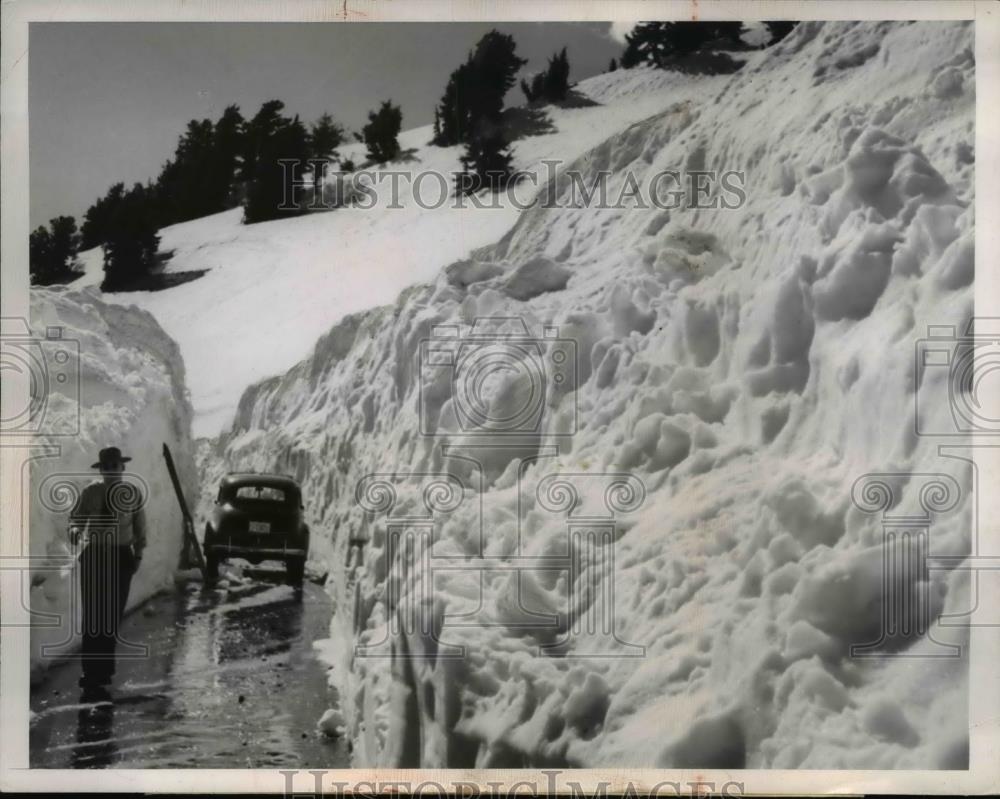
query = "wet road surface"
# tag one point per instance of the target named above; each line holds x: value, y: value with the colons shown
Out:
x: 230, y: 681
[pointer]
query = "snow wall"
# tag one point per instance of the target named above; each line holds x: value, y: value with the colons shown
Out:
x: 737, y: 372
x: 131, y: 395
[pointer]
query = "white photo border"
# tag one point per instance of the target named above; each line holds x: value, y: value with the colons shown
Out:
x: 983, y: 775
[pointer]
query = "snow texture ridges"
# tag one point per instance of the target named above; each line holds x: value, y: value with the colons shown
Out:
x: 748, y: 366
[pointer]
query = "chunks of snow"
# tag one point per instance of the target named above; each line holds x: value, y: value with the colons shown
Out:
x: 657, y: 444
x: 468, y: 271
x: 886, y: 720
x: 331, y: 723
x: 947, y: 83
x: 853, y: 274
x: 536, y: 276
x: 743, y: 366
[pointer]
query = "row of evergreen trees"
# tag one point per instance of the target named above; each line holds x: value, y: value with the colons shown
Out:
x: 692, y: 46
x: 219, y: 165
x: 215, y: 166
x: 471, y: 110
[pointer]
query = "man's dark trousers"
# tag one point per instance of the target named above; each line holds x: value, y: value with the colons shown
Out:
x: 106, y: 571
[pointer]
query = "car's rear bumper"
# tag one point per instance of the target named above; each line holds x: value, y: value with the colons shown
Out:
x: 257, y: 552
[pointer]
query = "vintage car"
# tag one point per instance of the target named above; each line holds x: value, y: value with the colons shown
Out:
x: 258, y: 517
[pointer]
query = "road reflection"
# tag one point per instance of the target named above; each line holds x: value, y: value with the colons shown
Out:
x: 231, y: 681
x: 95, y: 744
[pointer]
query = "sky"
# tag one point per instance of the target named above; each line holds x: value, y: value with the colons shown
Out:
x: 107, y: 101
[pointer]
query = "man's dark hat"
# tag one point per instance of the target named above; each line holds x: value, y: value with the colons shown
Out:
x: 108, y: 457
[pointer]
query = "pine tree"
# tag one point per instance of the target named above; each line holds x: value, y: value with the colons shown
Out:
x: 52, y: 252
x: 131, y: 245
x: 325, y: 137
x: 40, y: 256
x: 557, y: 78
x: 280, y: 157
x: 487, y: 163
x: 727, y: 34
x: 476, y: 90
x: 227, y: 149
x: 453, y: 111
x: 533, y: 91
x: 257, y: 131
x: 382, y: 131
x: 642, y: 43
x: 778, y: 30
x: 495, y: 64
x: 184, y: 186
x: 672, y: 45
x: 613, y: 66
x: 201, y: 177
x: 65, y: 244
x: 550, y: 85
x: 97, y: 219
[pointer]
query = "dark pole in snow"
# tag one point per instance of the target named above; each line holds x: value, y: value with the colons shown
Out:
x: 190, y: 539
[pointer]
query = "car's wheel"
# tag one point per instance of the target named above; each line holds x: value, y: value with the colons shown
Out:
x: 296, y: 570
x: 211, y: 560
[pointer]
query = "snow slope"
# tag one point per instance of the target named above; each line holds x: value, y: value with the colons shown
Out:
x: 131, y: 395
x: 273, y: 288
x: 746, y: 367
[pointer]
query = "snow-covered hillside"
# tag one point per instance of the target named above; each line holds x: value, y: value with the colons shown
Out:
x: 745, y: 366
x: 131, y: 395
x: 273, y: 288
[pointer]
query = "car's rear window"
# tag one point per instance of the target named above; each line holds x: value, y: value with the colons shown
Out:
x: 263, y: 493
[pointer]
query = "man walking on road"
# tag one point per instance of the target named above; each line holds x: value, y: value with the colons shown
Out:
x: 109, y: 524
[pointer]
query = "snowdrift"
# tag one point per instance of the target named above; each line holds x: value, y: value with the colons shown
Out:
x: 131, y: 395
x: 739, y: 375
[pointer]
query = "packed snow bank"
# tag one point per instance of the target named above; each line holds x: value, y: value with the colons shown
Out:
x: 738, y: 374
x: 273, y: 288
x: 131, y: 395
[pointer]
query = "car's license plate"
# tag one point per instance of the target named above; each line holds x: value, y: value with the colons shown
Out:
x: 260, y: 527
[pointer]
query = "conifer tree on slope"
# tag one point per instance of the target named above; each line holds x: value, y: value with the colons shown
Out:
x: 52, y: 252
x: 381, y: 134
x: 325, y: 137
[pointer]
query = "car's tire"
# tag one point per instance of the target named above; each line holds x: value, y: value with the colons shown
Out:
x: 296, y: 571
x: 211, y: 560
